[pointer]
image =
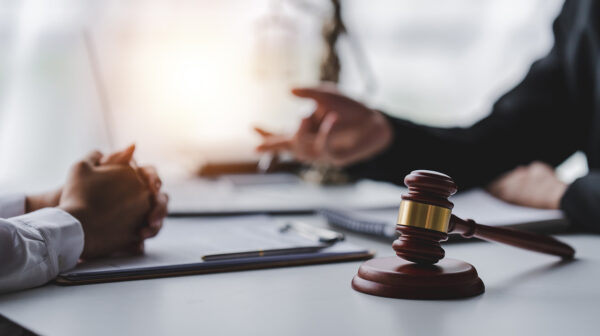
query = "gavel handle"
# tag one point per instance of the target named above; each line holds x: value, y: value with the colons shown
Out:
x: 526, y: 240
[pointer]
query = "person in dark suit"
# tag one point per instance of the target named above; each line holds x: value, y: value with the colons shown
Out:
x: 552, y: 113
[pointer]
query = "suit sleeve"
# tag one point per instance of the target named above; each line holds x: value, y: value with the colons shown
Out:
x: 537, y: 120
x: 580, y: 202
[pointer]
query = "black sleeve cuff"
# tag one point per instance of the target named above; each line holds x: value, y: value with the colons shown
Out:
x: 581, y: 203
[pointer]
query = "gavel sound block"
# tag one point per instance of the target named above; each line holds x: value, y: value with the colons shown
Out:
x: 424, y: 219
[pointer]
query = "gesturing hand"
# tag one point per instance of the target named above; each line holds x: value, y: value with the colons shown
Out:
x: 340, y: 131
x: 535, y: 185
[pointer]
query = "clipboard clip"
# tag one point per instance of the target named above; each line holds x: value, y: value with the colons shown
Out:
x: 313, y: 233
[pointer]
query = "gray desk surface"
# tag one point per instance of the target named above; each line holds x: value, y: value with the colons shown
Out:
x: 526, y: 294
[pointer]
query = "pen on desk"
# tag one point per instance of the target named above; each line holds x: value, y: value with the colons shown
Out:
x: 314, y: 233
x: 263, y: 253
x: 266, y: 161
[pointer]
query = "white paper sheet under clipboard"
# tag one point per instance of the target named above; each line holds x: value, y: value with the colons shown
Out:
x: 181, y: 244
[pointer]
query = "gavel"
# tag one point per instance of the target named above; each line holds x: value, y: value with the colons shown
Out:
x: 424, y: 220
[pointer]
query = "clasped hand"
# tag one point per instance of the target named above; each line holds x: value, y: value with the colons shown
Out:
x: 118, y: 204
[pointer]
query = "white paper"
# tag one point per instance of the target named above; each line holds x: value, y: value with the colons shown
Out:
x: 286, y: 192
x: 187, y: 240
x: 486, y: 209
x: 264, y: 193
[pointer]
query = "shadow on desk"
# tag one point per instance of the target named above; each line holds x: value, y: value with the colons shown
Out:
x: 9, y: 328
x: 536, y: 273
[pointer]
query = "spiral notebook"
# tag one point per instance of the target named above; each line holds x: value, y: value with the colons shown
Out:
x: 475, y: 204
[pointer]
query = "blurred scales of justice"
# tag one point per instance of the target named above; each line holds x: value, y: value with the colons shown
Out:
x: 205, y: 112
x: 276, y: 66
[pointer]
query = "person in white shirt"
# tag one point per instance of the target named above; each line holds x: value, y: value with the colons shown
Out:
x: 107, y: 205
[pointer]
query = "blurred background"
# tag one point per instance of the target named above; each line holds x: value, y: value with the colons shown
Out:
x: 187, y: 80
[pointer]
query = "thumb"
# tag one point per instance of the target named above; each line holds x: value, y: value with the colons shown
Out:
x: 123, y: 157
x: 263, y: 133
x: 93, y: 158
x: 323, y: 95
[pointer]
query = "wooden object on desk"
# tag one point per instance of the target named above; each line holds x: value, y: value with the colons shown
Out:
x: 216, y: 169
x: 424, y: 219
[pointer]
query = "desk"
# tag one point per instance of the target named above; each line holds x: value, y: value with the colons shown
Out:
x: 526, y: 293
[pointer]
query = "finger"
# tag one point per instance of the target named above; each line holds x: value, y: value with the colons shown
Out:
x: 159, y: 211
x: 264, y: 133
x: 276, y: 146
x: 319, y: 114
x: 303, y: 146
x: 136, y: 248
x: 151, y: 230
x: 322, y: 87
x: 278, y: 143
x: 510, y: 186
x: 540, y: 167
x: 322, y: 95
x: 140, y: 247
x: 498, y: 186
x: 324, y: 132
x: 151, y: 178
x: 500, y: 190
x: 494, y: 188
x: 272, y: 141
x: 307, y: 126
x: 156, y: 217
x: 93, y: 158
x: 146, y: 178
x: 121, y: 157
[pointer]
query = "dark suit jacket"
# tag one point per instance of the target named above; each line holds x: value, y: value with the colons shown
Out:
x: 552, y: 113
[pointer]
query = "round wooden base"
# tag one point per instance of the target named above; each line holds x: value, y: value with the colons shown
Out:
x: 396, y: 278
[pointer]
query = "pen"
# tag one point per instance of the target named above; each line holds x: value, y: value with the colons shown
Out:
x: 266, y: 161
x: 264, y: 253
x: 313, y: 233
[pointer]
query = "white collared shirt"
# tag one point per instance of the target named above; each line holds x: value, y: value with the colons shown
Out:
x: 35, y: 247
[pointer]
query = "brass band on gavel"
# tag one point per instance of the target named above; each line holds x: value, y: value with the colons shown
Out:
x: 426, y: 216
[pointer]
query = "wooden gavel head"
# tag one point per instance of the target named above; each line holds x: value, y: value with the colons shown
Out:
x: 424, y: 216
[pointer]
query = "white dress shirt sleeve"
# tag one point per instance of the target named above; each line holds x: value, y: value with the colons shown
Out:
x: 35, y: 247
x: 12, y: 205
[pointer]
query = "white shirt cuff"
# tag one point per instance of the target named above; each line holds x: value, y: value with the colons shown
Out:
x: 62, y: 234
x: 12, y: 205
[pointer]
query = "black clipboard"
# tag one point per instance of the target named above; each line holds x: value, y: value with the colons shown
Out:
x: 180, y: 234
x: 211, y: 267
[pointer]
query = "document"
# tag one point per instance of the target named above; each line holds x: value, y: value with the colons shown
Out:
x: 184, y: 241
x: 274, y: 193
x: 486, y: 209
